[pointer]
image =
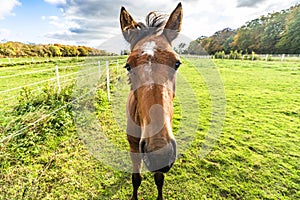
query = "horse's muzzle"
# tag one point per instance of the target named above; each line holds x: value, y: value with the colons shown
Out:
x: 160, y: 160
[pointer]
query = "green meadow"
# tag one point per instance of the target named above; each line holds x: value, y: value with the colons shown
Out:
x: 256, y: 154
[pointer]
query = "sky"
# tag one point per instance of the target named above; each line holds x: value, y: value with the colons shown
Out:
x: 92, y: 22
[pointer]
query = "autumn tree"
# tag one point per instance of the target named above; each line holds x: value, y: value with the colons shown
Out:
x: 274, y: 29
x: 83, y: 51
x: 290, y: 41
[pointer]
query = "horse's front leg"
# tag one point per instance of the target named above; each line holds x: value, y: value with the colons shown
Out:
x: 136, y: 161
x: 159, y: 181
x: 136, y: 174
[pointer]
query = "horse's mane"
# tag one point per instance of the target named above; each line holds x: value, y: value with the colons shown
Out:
x: 155, y: 23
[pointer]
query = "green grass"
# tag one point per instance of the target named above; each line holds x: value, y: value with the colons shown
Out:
x: 12, y: 62
x: 255, y: 157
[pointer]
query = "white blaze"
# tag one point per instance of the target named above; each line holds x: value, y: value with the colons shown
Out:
x: 149, y: 48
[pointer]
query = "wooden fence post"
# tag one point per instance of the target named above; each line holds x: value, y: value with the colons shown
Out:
x: 282, y: 57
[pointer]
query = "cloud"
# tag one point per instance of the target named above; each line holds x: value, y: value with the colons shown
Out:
x: 92, y: 22
x: 85, y: 21
x: 7, y: 6
x: 248, y: 3
x: 56, y: 2
x: 98, y: 20
x: 4, y: 33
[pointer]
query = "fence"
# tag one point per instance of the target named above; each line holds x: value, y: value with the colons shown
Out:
x: 264, y: 57
x: 58, y: 77
x: 279, y: 57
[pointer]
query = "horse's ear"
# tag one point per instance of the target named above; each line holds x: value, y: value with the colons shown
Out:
x: 128, y: 25
x: 173, y: 26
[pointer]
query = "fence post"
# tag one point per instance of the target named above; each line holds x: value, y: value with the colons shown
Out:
x: 57, y: 78
x: 99, y: 68
x: 267, y: 57
x: 107, y: 81
x: 282, y: 57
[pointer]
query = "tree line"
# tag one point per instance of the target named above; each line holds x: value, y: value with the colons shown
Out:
x: 17, y: 49
x: 274, y: 33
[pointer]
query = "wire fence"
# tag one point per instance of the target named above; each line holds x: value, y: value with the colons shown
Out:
x: 262, y: 57
x: 56, y: 77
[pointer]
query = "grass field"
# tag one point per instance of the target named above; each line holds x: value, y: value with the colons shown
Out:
x: 256, y: 155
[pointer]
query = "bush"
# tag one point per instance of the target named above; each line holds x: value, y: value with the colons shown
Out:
x: 220, y: 55
x: 38, y: 117
x: 235, y: 55
x: 254, y: 56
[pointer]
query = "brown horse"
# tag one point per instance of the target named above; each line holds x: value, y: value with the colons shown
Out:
x: 152, y: 66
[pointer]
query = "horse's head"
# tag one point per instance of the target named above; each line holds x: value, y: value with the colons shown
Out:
x: 152, y: 66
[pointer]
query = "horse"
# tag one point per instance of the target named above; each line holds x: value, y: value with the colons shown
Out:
x: 152, y: 66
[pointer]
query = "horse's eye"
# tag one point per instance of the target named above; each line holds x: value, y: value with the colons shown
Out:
x: 177, y: 64
x: 127, y: 66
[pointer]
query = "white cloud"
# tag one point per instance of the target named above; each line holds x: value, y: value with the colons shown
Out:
x: 56, y: 2
x: 94, y: 21
x: 7, y: 6
x: 4, y: 33
x: 61, y: 24
x: 205, y: 18
x: 54, y: 18
x: 248, y: 3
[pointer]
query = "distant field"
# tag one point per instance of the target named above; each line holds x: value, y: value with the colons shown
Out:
x: 255, y: 157
x: 31, y: 60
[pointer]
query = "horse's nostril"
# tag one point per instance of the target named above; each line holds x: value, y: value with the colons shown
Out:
x: 161, y: 159
x: 143, y: 146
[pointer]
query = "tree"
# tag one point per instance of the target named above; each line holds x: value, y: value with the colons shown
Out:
x: 221, y: 40
x: 54, y: 50
x: 273, y: 32
x: 195, y: 48
x: 248, y: 37
x: 83, y: 51
x: 290, y: 41
x: 73, y: 51
x: 8, y: 49
x: 125, y: 52
x: 181, y: 48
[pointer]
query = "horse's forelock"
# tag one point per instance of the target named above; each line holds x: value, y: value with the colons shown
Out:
x: 156, y: 20
x: 155, y: 23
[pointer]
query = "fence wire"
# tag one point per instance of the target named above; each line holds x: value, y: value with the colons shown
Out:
x: 97, y: 68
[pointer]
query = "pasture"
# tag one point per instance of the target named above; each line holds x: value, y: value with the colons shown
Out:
x: 255, y: 157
